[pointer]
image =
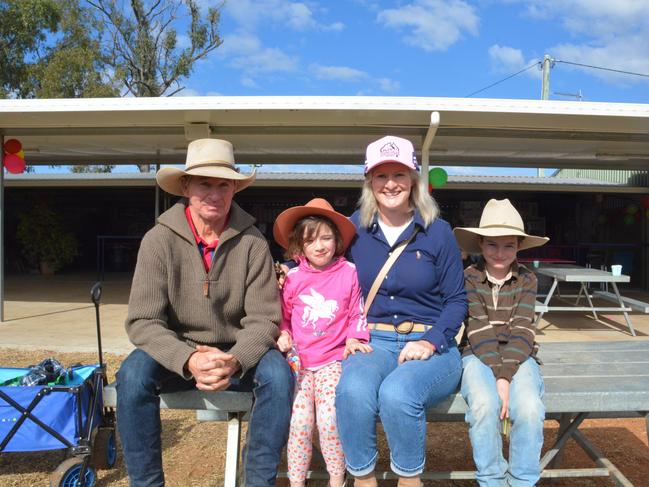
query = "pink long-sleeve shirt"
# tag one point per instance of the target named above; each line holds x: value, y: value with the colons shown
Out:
x: 321, y: 309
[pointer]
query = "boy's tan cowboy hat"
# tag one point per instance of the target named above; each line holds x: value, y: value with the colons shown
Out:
x: 212, y: 158
x: 499, y: 218
x: 287, y: 220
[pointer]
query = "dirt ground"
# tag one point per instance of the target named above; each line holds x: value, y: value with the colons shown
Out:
x: 194, y: 453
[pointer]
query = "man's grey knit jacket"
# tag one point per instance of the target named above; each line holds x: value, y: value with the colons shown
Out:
x: 175, y: 303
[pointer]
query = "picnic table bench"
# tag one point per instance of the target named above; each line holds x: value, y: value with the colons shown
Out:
x: 582, y: 380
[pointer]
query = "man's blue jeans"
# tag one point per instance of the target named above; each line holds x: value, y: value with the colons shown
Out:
x: 373, y: 385
x: 526, y: 413
x: 139, y: 381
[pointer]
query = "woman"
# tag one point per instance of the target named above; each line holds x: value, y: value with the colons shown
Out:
x: 413, y: 320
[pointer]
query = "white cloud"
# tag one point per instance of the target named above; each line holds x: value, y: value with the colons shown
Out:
x: 247, y: 53
x: 509, y: 60
x: 341, y: 73
x: 389, y: 85
x: 612, y: 34
x: 266, y: 60
x: 506, y: 58
x: 249, y: 82
x: 432, y: 25
x: 627, y: 54
x: 249, y: 14
x: 245, y: 50
x: 335, y: 27
x: 597, y: 18
x: 352, y: 75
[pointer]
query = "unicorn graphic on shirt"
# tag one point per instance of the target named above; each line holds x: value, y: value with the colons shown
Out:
x: 317, y: 307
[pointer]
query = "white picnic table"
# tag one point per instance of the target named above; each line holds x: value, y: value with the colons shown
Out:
x: 584, y: 276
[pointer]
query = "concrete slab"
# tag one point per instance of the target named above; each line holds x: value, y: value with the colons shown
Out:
x: 56, y: 313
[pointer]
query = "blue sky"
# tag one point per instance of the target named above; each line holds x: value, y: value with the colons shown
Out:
x: 449, y: 48
x: 427, y: 48
x: 446, y: 48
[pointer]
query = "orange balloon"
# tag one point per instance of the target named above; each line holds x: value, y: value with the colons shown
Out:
x: 21, y: 154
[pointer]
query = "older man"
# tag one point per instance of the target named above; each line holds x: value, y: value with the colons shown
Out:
x: 203, y: 312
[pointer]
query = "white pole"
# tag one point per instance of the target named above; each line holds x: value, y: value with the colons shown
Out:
x: 545, y: 92
x: 425, y: 148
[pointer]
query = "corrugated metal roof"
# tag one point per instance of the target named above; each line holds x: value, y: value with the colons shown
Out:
x: 330, y: 130
x: 628, y: 177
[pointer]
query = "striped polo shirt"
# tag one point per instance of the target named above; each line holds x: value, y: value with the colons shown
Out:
x: 499, y: 328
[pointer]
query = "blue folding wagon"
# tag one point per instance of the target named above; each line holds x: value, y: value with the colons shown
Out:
x: 66, y: 414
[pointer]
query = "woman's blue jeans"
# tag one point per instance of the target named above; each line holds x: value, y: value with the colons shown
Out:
x: 373, y: 385
x: 140, y: 380
x: 526, y: 413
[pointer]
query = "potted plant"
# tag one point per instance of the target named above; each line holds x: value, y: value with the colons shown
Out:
x: 44, y: 240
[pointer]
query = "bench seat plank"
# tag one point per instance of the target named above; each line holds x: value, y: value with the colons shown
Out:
x: 617, y: 346
x: 635, y: 304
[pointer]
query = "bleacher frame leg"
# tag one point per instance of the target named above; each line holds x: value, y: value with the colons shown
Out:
x: 232, y: 452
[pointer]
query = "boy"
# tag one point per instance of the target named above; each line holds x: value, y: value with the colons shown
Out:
x: 501, y: 379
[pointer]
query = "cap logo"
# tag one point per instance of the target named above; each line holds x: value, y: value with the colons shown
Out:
x: 389, y: 150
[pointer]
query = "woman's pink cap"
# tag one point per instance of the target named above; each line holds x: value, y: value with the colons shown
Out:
x: 390, y: 149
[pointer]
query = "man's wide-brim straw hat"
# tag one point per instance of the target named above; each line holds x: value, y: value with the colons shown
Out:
x: 212, y: 158
x: 287, y: 220
x: 499, y: 218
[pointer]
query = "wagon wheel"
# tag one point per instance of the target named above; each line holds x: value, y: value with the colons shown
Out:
x: 68, y: 471
x: 104, y: 448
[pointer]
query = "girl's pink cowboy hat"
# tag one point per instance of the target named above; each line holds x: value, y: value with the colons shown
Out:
x: 287, y: 219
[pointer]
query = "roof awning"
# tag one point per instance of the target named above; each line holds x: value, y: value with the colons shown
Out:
x: 330, y: 130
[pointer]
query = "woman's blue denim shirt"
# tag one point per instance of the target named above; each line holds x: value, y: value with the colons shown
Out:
x: 425, y: 284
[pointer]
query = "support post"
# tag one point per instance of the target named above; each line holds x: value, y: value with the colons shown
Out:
x: 545, y: 92
x: 2, y: 229
x: 425, y: 148
x: 157, y: 189
x: 545, y: 86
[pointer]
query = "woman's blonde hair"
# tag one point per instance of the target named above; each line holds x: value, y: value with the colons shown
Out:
x: 419, y: 200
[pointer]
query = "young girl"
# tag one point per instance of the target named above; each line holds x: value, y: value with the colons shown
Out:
x: 501, y: 378
x: 323, y: 320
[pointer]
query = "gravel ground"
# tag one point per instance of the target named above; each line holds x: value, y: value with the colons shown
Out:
x: 194, y: 453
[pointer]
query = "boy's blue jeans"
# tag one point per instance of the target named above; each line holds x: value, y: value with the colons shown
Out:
x: 373, y: 385
x: 140, y: 380
x: 526, y: 413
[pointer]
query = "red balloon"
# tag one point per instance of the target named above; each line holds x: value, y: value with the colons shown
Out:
x: 12, y: 146
x: 14, y: 164
x: 430, y: 188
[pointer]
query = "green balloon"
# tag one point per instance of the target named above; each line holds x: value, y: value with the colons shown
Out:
x: 629, y: 220
x: 437, y: 177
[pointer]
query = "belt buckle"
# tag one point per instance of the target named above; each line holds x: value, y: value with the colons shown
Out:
x: 404, y: 331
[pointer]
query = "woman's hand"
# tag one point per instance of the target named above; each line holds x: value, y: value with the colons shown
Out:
x: 352, y: 345
x: 284, y: 342
x: 419, y: 350
x: 502, y: 387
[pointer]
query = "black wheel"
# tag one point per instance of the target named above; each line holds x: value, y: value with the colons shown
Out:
x: 68, y: 473
x: 104, y: 448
